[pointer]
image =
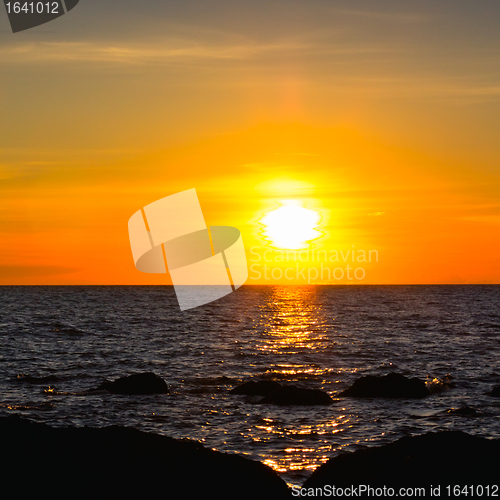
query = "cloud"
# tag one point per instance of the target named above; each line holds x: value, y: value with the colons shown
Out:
x: 173, y: 51
x: 400, y: 17
x: 177, y: 50
x: 354, y: 67
x: 29, y: 271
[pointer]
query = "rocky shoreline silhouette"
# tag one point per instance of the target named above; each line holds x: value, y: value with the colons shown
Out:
x: 435, y: 458
x: 117, y: 460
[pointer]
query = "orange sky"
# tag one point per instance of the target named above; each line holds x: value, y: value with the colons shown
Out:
x: 382, y: 119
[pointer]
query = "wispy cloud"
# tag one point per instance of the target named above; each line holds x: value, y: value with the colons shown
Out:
x: 134, y: 54
x: 13, y: 271
x: 446, y: 88
x: 330, y: 63
x: 174, y: 51
x: 400, y: 17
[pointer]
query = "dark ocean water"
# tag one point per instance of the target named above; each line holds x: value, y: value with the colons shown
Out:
x: 72, y: 338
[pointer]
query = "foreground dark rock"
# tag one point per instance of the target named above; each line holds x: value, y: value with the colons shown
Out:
x: 495, y: 392
x: 140, y: 383
x: 393, y: 385
x: 443, y: 458
x: 259, y: 388
x: 292, y: 395
x: 120, y: 462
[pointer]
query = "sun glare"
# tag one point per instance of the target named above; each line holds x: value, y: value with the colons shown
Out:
x: 291, y: 226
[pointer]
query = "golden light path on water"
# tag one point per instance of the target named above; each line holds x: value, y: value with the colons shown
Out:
x: 296, y: 327
x: 294, y: 322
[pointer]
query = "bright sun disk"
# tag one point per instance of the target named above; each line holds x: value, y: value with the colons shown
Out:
x: 291, y: 226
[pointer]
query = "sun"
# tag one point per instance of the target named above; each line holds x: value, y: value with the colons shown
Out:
x: 291, y: 226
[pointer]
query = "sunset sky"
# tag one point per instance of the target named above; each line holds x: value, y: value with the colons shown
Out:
x: 382, y: 117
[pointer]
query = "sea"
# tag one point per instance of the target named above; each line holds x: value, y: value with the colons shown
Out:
x: 60, y: 342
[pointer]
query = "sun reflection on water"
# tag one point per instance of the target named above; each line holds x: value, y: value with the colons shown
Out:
x: 294, y: 325
x: 293, y: 321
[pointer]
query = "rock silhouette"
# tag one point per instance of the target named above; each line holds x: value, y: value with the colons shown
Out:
x: 29, y: 379
x: 121, y: 462
x: 393, y: 385
x: 259, y: 388
x: 140, y: 383
x: 441, y: 458
x: 495, y: 392
x: 465, y: 411
x: 292, y: 395
x: 278, y: 394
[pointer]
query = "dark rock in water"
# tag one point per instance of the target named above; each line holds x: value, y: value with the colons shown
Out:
x: 441, y: 458
x: 120, y: 462
x: 495, y: 392
x: 292, y: 395
x: 140, y: 383
x: 436, y: 385
x: 221, y: 380
x: 393, y: 385
x: 224, y: 380
x: 466, y: 411
x: 259, y: 388
x: 275, y: 393
x: 29, y: 379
